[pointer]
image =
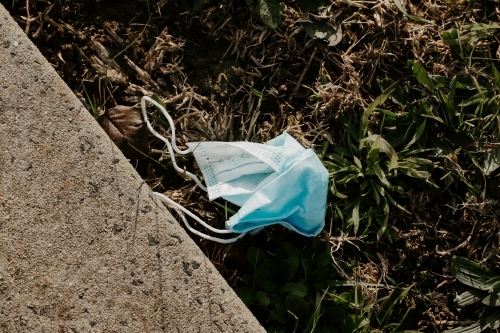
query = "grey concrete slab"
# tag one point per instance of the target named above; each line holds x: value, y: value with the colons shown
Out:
x: 84, y: 247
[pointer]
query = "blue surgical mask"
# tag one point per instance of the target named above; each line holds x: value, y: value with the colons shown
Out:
x: 279, y: 182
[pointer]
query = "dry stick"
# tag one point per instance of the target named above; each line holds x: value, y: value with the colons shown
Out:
x: 465, y: 242
x: 63, y: 27
x: 112, y: 33
x: 302, y: 76
x: 28, y: 18
x: 143, y: 75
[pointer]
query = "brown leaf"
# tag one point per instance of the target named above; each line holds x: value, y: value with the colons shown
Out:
x: 126, y: 128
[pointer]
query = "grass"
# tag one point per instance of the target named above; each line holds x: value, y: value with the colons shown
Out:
x: 403, y: 110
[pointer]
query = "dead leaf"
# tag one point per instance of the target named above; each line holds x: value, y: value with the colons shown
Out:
x: 125, y: 126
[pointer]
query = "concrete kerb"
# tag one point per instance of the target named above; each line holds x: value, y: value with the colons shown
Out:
x: 84, y: 246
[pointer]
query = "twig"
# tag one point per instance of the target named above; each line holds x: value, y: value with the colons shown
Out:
x: 299, y: 82
x: 28, y: 18
x: 112, y: 33
x: 143, y: 75
x: 63, y: 27
x: 447, y: 252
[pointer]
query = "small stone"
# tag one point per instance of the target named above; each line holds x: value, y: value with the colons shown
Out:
x: 117, y: 228
x: 152, y: 241
x: 187, y: 269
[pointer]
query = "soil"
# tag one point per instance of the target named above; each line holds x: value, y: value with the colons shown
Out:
x: 208, y: 69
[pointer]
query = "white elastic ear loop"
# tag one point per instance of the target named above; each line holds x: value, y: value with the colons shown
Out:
x: 169, y: 146
x: 220, y: 231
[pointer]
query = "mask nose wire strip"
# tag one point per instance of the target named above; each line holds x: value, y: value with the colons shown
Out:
x: 194, y: 231
x: 169, y: 146
x: 189, y: 174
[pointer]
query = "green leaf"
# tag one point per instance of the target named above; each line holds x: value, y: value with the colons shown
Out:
x: 419, y: 160
x: 422, y: 75
x: 270, y: 12
x: 395, y: 204
x: 492, y: 322
x: 417, y: 135
x: 384, y: 221
x: 246, y: 294
x: 385, y: 147
x: 379, y: 100
x: 375, y: 148
x: 399, y: 96
x: 402, y: 295
x: 482, y: 26
x: 265, y: 280
x: 376, y: 192
x: 496, y: 75
x: 323, y: 30
x: 289, y: 267
x: 297, y: 305
x: 470, y: 273
x: 381, y: 175
x: 322, y: 260
x: 441, y: 146
x: 334, y: 314
x: 355, y: 218
x: 417, y: 174
x: 312, y: 324
x: 293, y: 251
x: 492, y: 300
x: 280, y: 315
x: 262, y: 298
x: 358, y: 163
x: 306, y: 266
x: 470, y: 297
x: 271, y: 266
x: 491, y: 162
x: 343, y: 300
x: 492, y: 285
x: 413, y: 17
x: 294, y: 288
x: 456, y: 137
x: 255, y: 256
x: 352, y: 323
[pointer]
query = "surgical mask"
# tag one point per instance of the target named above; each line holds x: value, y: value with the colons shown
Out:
x: 279, y: 182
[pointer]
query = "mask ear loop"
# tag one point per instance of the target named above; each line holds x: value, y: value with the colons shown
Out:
x: 194, y: 231
x: 163, y: 198
x: 169, y: 146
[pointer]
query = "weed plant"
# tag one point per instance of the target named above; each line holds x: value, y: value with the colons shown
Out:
x: 292, y: 286
x: 486, y: 289
x: 438, y: 131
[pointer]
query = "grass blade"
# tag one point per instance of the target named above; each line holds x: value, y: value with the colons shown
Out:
x: 379, y: 100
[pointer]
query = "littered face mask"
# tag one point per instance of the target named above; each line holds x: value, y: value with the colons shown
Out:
x: 279, y: 182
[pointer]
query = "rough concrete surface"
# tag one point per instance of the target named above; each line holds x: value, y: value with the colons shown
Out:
x: 84, y: 247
